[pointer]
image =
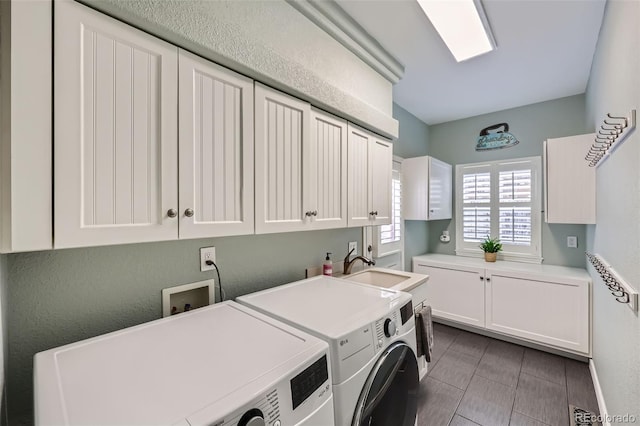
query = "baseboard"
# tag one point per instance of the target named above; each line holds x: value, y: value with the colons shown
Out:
x: 599, y: 396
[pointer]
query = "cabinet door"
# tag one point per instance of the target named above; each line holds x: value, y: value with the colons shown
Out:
x: 553, y: 313
x: 216, y: 150
x: 359, y: 204
x: 282, y: 130
x: 570, y: 184
x: 380, y: 170
x: 325, y: 177
x: 415, y: 188
x: 440, y: 193
x: 115, y: 138
x: 455, y: 294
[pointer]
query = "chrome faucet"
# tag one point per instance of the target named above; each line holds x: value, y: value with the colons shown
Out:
x: 348, y: 264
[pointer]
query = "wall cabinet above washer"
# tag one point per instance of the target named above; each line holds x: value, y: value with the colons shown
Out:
x: 370, y: 164
x: 427, y: 189
x: 26, y: 204
x: 300, y: 165
x: 117, y: 177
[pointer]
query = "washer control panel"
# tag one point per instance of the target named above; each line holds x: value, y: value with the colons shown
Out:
x: 386, y: 328
x: 393, y: 324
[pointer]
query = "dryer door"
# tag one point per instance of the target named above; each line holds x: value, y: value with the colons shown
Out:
x: 390, y: 394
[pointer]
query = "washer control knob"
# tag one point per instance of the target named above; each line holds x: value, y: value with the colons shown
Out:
x: 389, y: 327
x: 379, y: 343
x: 253, y: 417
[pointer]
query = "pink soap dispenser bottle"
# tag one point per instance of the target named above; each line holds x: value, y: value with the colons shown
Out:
x: 327, y: 266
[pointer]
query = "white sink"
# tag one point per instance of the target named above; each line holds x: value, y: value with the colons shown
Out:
x: 377, y: 278
x: 388, y: 278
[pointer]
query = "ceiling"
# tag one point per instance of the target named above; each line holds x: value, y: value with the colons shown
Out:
x: 545, y: 49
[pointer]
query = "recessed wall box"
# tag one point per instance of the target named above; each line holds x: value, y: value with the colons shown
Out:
x: 176, y: 300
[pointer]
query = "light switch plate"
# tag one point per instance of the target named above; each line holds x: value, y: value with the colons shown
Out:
x: 572, y: 241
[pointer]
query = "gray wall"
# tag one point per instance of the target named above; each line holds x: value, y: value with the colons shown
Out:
x: 62, y: 296
x: 413, y: 141
x: 613, y: 87
x: 454, y: 142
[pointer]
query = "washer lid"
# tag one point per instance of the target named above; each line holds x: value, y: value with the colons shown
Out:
x: 326, y: 306
x: 163, y: 371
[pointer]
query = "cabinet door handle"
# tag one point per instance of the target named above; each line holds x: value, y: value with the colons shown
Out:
x: 172, y: 213
x: 188, y: 212
x: 308, y: 214
x: 481, y: 278
x: 488, y: 279
x: 314, y: 213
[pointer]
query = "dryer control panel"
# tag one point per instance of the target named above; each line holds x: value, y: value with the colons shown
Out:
x: 300, y: 394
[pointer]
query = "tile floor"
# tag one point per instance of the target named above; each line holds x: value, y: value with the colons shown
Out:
x: 476, y: 380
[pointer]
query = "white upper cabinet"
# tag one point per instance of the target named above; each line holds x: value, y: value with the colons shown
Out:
x: 216, y: 150
x: 115, y: 136
x: 325, y: 172
x: 26, y: 204
x: 282, y: 126
x: 300, y: 165
x: 369, y: 178
x: 427, y: 185
x: 570, y: 184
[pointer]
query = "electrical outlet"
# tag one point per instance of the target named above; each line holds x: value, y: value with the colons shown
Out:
x: 207, y: 253
x: 572, y: 242
x: 353, y: 245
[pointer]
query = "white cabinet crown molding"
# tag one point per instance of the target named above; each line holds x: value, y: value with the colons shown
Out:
x: 336, y: 22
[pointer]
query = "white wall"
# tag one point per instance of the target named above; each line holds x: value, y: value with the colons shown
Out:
x: 614, y: 87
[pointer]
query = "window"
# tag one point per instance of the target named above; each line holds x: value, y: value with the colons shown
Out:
x: 388, y: 239
x: 392, y: 233
x: 500, y: 199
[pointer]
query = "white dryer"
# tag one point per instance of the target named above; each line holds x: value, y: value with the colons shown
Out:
x: 220, y: 365
x: 371, y: 334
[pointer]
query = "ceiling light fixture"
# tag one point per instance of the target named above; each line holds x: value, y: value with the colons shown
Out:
x: 462, y: 25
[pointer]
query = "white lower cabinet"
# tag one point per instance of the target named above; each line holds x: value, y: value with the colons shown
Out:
x: 545, y: 304
x: 455, y: 294
x: 553, y: 310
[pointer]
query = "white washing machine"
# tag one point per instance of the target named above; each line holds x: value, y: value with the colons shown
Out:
x: 220, y: 365
x: 371, y: 335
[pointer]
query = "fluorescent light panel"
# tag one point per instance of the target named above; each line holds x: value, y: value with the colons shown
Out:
x: 462, y: 25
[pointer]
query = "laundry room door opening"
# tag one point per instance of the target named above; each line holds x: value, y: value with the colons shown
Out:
x: 390, y: 394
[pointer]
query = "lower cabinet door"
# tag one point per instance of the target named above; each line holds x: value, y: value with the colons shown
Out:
x: 457, y: 295
x: 553, y: 313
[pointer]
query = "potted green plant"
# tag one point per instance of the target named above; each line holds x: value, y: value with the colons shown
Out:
x: 491, y: 247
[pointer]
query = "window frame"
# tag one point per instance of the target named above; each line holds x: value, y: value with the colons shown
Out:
x: 529, y: 254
